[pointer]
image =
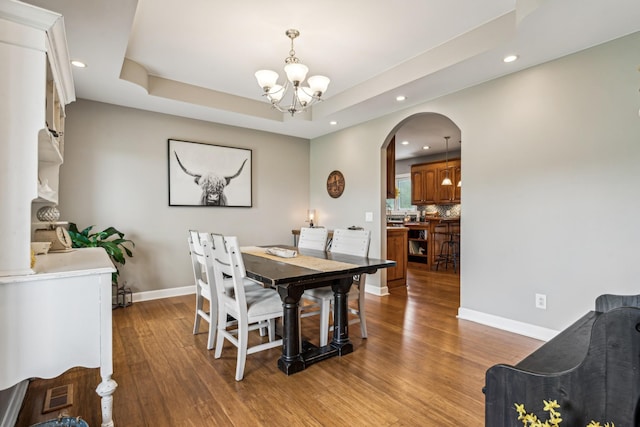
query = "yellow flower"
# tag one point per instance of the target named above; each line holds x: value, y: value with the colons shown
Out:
x: 555, y: 421
x: 550, y: 405
x: 555, y: 418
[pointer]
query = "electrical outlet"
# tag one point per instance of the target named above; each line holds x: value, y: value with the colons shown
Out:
x: 541, y: 301
x: 368, y: 216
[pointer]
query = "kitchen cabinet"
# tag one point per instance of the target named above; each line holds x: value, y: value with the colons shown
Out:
x: 425, y: 239
x: 391, y: 169
x: 418, y: 250
x: 426, y: 179
x: 397, y: 251
x: 457, y: 188
x: 448, y: 193
x: 423, y: 184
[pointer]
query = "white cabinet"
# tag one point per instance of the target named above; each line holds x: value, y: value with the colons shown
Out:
x: 36, y: 83
x: 57, y: 319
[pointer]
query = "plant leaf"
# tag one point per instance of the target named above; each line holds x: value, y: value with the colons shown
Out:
x: 86, y: 231
x: 111, y: 231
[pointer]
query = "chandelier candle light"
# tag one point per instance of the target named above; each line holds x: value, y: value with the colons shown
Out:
x: 303, y: 96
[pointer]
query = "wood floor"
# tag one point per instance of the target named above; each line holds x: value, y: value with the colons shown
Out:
x: 420, y: 366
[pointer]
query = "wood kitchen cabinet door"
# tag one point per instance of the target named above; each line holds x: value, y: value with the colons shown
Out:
x: 457, y: 195
x: 391, y: 169
x: 448, y: 193
x: 423, y: 184
x: 397, y: 251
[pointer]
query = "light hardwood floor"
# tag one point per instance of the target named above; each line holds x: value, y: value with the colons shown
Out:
x: 420, y: 366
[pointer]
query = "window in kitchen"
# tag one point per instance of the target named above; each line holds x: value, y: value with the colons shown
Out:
x: 402, y: 202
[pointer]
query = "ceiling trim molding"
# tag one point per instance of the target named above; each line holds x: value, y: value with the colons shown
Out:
x: 60, y: 61
x: 525, y: 7
x: 135, y: 73
x: 463, y: 47
x: 39, y: 23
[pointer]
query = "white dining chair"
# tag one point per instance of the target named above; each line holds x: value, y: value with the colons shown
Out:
x: 313, y: 238
x: 251, y: 309
x: 204, y: 276
x: 203, y: 290
x: 347, y: 242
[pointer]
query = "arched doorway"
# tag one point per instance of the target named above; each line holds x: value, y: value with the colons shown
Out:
x: 422, y: 156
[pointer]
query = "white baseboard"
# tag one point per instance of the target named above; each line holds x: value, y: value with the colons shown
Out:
x: 163, y: 293
x: 376, y: 290
x: 505, y: 324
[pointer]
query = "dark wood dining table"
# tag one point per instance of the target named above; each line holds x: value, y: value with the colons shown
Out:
x: 291, y: 280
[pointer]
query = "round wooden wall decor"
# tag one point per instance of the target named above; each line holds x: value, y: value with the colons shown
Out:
x: 335, y: 184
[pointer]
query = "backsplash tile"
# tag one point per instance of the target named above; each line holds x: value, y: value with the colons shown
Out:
x: 441, y: 210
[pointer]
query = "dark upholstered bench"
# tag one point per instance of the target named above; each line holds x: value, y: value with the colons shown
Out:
x: 592, y: 369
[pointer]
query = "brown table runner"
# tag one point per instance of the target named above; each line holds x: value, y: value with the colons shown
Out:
x: 305, y: 261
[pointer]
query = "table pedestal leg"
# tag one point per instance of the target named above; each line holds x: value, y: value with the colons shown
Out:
x: 340, y: 339
x: 291, y: 360
x: 296, y: 357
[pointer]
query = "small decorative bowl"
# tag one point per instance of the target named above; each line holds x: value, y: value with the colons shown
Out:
x: 40, y: 248
x: 48, y: 214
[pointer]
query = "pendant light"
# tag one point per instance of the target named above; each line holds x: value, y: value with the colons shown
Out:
x: 459, y: 180
x: 446, y: 180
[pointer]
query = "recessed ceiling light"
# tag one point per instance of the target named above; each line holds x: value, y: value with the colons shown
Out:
x: 78, y: 64
x: 333, y: 123
x: 426, y: 147
x: 405, y: 142
x: 510, y: 58
x: 400, y: 98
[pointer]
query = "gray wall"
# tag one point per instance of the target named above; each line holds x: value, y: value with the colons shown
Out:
x: 550, y: 199
x: 115, y: 174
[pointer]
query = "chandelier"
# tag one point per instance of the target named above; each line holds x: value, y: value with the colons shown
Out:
x: 302, y: 96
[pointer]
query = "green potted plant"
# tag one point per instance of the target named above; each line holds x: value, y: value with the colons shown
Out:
x: 110, y: 239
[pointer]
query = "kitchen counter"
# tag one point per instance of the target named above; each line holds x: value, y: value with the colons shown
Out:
x: 423, y: 243
x: 435, y: 219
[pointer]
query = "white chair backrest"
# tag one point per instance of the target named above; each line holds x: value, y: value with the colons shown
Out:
x: 224, y: 263
x: 233, y: 263
x: 197, y: 258
x: 351, y: 242
x: 210, y: 246
x: 313, y: 238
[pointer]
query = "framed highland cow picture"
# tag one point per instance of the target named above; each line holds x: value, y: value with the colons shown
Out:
x: 208, y: 175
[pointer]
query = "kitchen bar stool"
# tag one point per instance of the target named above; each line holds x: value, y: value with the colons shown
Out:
x: 450, y: 248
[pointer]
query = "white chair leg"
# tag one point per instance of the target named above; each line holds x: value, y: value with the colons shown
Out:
x: 196, y: 322
x: 243, y: 342
x: 324, y: 321
x: 213, y: 325
x: 272, y: 329
x: 222, y: 325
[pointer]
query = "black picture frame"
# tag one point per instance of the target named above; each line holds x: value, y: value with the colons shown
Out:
x: 204, y: 175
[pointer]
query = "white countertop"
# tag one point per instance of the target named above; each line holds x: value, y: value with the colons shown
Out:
x: 76, y: 262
